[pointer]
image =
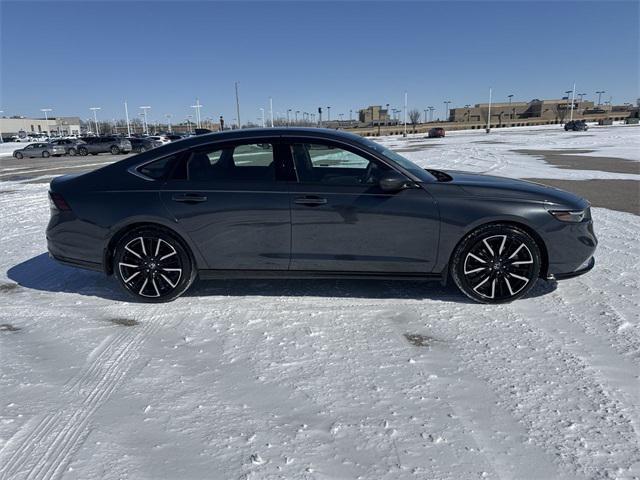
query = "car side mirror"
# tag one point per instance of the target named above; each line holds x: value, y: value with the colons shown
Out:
x: 393, y: 182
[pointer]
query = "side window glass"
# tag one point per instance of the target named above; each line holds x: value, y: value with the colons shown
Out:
x: 158, y: 169
x: 329, y: 165
x: 240, y: 163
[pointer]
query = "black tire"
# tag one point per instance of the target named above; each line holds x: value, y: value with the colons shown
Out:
x: 496, y: 264
x: 72, y: 152
x: 115, y: 150
x: 83, y: 151
x: 153, y: 265
x: 18, y: 155
x: 46, y: 154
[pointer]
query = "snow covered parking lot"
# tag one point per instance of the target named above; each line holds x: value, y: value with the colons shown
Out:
x: 330, y: 379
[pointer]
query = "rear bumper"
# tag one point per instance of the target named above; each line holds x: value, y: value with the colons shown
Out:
x: 581, y: 271
x: 73, y: 262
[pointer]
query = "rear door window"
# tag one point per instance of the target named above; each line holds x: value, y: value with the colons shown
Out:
x: 235, y: 163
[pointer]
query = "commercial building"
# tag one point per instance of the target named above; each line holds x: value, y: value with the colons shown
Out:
x: 510, y: 113
x: 25, y: 126
x: 374, y: 115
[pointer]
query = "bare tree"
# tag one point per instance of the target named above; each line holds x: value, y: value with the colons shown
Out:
x: 414, y: 116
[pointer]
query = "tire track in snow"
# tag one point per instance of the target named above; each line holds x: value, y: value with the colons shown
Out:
x: 42, y: 449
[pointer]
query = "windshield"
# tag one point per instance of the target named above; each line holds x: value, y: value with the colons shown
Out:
x: 405, y: 163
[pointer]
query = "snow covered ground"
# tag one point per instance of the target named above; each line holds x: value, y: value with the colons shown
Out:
x: 324, y: 379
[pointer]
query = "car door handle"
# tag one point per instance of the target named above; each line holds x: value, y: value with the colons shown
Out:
x: 189, y: 198
x: 310, y: 201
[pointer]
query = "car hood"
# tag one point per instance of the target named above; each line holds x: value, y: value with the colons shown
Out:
x: 502, y: 187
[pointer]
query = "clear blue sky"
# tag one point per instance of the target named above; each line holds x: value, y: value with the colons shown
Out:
x: 73, y: 55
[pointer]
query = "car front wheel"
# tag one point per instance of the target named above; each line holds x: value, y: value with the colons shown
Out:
x: 83, y: 151
x: 115, y: 150
x: 18, y: 155
x: 496, y: 264
x: 72, y: 152
x: 153, y: 265
x: 46, y: 154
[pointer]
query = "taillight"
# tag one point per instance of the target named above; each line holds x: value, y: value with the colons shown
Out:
x: 58, y: 202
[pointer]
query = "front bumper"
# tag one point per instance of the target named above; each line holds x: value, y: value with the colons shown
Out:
x: 580, y: 271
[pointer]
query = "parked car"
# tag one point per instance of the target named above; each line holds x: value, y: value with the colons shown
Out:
x: 39, y: 150
x: 295, y: 202
x: 96, y: 145
x: 160, y: 138
x: 70, y: 145
x: 576, y: 126
x: 174, y: 138
x: 437, y: 132
x: 139, y: 145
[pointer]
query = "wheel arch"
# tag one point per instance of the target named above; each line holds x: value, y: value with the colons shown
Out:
x: 544, y: 256
x: 123, y: 230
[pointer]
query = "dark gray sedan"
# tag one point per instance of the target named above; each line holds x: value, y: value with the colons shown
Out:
x: 312, y: 203
x: 40, y: 150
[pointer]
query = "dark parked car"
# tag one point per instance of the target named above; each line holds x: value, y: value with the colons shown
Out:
x: 312, y: 203
x: 139, y: 145
x: 39, y: 150
x: 437, y: 132
x: 96, y: 145
x: 576, y: 126
x: 70, y: 145
x: 174, y: 138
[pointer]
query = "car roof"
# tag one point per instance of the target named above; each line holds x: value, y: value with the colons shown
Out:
x: 231, y: 135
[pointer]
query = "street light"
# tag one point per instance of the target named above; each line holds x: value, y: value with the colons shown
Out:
x: 431, y: 109
x: 328, y: 114
x: 262, y: 111
x: 189, y: 117
x: 446, y: 110
x: 600, y: 92
x: 144, y: 109
x: 197, y: 106
x: 288, y: 120
x: 510, y: 115
x: 1, y: 140
x: 168, y: 117
x: 297, y: 112
x: 46, y: 119
x: 95, y: 118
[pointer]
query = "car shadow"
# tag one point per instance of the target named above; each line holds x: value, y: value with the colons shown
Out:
x: 44, y: 274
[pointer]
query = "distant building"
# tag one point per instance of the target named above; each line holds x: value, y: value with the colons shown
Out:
x: 374, y: 115
x: 54, y: 125
x: 506, y: 113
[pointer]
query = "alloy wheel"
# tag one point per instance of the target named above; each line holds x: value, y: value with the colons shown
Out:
x: 498, y: 267
x: 150, y: 267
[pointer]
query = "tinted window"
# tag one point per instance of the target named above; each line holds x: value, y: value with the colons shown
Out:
x: 252, y: 162
x: 158, y: 169
x: 320, y: 163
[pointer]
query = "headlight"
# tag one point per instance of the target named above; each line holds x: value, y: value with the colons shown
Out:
x: 570, y: 216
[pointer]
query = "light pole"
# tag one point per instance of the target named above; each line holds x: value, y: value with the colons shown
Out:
x: 189, y: 117
x: 144, y: 109
x: 488, y: 130
x: 510, y: 114
x: 46, y: 119
x: 262, y: 111
x: 197, y: 107
x: 600, y: 92
x: 405, y: 114
x: 328, y: 114
x: 468, y: 107
x: 288, y: 121
x: 95, y: 118
x: 425, y: 115
x: 296, y: 113
x: 168, y: 117
x: 431, y: 109
x: 446, y: 110
x: 386, y: 118
x: 1, y: 140
x: 238, y: 106
x: 271, y: 110
x: 126, y: 114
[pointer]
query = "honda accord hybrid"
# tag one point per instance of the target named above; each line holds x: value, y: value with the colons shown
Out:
x: 312, y: 203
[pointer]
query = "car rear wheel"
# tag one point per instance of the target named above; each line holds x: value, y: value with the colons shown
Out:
x: 72, y: 152
x: 153, y: 265
x: 46, y: 154
x: 115, y: 150
x: 18, y: 155
x: 496, y: 264
x: 83, y: 151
